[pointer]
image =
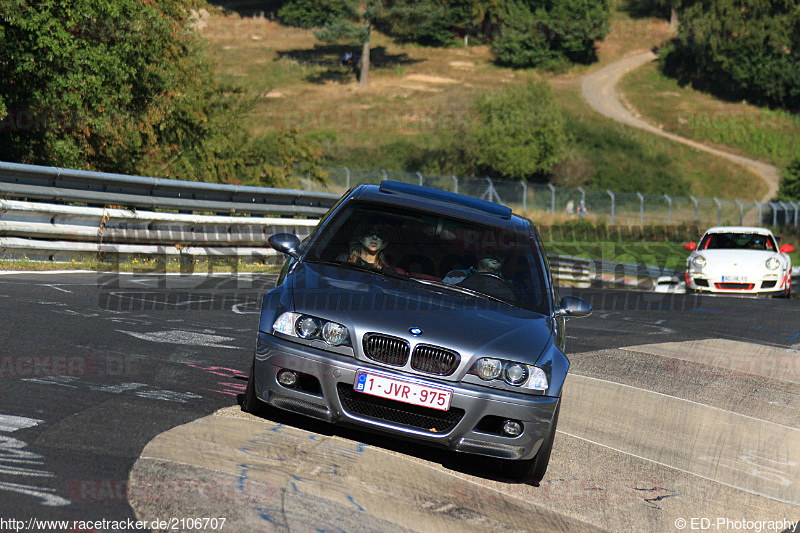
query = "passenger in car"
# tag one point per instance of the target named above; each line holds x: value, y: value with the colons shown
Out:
x: 368, y: 250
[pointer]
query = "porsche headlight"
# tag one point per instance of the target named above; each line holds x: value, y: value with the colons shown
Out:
x: 773, y: 263
x: 699, y: 261
x: 512, y: 373
x: 312, y: 328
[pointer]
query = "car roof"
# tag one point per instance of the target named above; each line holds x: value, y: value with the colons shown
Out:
x: 739, y: 229
x: 441, y: 202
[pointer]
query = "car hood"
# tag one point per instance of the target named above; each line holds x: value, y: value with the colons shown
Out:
x: 741, y: 258
x: 367, y: 302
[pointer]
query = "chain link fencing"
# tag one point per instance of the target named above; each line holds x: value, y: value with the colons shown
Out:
x: 621, y: 208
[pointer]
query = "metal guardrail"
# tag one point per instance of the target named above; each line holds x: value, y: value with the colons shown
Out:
x: 99, y: 188
x: 58, y: 232
x: 580, y: 272
x: 52, y: 232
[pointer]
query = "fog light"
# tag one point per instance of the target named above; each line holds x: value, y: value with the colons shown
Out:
x: 287, y: 378
x: 512, y: 428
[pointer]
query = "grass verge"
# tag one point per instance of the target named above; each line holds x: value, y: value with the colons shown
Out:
x: 769, y: 135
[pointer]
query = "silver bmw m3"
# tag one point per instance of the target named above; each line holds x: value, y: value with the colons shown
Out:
x: 424, y: 314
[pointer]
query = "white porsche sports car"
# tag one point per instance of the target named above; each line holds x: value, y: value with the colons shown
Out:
x: 739, y: 260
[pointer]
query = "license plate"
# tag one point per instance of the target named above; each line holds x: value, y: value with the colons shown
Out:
x: 734, y: 279
x: 403, y: 391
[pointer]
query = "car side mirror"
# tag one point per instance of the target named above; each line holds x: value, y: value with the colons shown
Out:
x: 573, y: 307
x: 285, y: 243
x: 787, y: 249
x: 691, y: 246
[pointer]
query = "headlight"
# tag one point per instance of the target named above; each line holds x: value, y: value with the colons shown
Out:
x: 306, y: 327
x: 773, y: 263
x: 285, y: 324
x: 335, y: 334
x: 515, y: 374
x: 699, y: 261
x: 312, y: 328
x: 488, y: 369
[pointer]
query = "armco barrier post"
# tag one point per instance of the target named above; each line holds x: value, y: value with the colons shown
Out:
x: 741, y: 212
x: 669, y: 209
x: 524, y: 195
x: 611, y: 194
x: 641, y: 208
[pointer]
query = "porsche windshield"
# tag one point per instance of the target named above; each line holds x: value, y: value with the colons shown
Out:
x: 738, y: 241
x: 433, y: 249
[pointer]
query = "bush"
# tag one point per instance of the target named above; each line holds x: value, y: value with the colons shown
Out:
x: 789, y: 188
x: 313, y: 13
x: 520, y: 134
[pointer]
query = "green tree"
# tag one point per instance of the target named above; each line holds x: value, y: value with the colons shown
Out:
x: 338, y: 20
x: 739, y: 49
x: 545, y: 33
x: 429, y: 22
x: 789, y: 188
x: 119, y: 86
x: 314, y: 13
x: 520, y: 133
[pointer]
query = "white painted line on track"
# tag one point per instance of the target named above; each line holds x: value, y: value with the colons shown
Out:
x: 677, y: 468
x: 687, y: 401
x: 741, y: 451
x: 56, y: 287
x: 11, y: 423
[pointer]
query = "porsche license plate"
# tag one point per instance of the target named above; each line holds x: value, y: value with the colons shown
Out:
x: 403, y: 391
x: 734, y: 279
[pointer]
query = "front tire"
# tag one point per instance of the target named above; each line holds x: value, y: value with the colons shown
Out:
x: 251, y: 402
x: 533, y: 470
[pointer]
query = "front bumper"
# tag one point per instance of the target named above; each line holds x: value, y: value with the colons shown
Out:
x: 326, y: 392
x: 765, y: 283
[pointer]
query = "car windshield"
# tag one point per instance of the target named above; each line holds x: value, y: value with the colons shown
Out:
x: 450, y: 253
x: 738, y: 241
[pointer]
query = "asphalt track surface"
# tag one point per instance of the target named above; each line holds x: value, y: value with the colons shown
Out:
x: 119, y: 401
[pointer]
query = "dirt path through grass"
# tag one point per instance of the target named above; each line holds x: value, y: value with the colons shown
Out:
x: 599, y: 91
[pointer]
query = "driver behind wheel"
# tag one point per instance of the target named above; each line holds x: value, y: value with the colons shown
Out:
x: 487, y: 265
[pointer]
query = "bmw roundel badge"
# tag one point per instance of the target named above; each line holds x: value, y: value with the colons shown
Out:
x: 415, y: 331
